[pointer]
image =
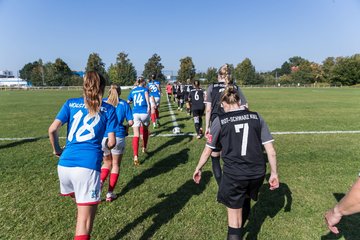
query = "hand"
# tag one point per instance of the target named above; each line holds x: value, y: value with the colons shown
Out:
x: 274, y: 181
x: 197, y: 176
x: 332, y: 217
x: 58, y: 152
x: 207, y: 132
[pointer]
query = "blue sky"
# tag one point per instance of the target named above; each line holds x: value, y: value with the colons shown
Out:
x: 268, y: 32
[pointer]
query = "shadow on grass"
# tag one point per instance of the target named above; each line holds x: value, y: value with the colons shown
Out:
x: 163, y: 166
x: 269, y: 204
x: 348, y: 226
x: 172, y: 141
x: 165, y: 210
x: 17, y: 143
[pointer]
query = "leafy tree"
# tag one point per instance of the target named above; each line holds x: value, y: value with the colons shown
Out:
x: 33, y: 72
x: 95, y: 63
x: 245, y: 72
x: 187, y: 69
x: 347, y: 71
x: 58, y: 73
x: 296, y: 61
x: 123, y: 71
x: 328, y: 67
x: 154, y: 66
x: 304, y: 74
x: 211, y: 75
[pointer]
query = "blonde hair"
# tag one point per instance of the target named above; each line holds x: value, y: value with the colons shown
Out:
x: 93, y: 91
x: 230, y: 95
x: 225, y: 73
x: 114, y: 93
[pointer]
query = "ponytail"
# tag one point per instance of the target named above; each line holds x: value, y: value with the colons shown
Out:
x: 225, y: 73
x: 93, y: 91
x: 114, y: 93
x: 230, y: 95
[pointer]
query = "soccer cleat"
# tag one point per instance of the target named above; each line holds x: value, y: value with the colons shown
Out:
x: 136, y: 161
x: 198, y: 136
x: 143, y: 150
x: 110, y: 196
x: 178, y: 108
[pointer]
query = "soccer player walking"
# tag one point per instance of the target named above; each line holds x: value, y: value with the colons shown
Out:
x: 242, y: 134
x: 213, y: 110
x: 88, y: 118
x: 139, y: 97
x: 112, y: 158
x: 196, y: 98
x: 154, y: 88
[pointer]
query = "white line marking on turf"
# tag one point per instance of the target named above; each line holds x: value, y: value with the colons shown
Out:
x: 193, y: 134
x: 172, y: 112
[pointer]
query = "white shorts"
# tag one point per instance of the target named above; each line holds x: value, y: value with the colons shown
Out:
x: 117, y: 150
x: 84, y: 183
x: 156, y: 102
x: 139, y: 118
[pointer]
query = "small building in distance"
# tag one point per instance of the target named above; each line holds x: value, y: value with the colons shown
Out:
x: 8, y: 79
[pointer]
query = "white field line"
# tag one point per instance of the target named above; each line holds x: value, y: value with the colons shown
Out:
x: 193, y: 134
x: 171, y: 112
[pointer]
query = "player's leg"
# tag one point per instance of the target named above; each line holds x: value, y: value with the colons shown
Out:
x: 234, y: 224
x: 135, y: 141
x: 157, y: 103
x: 85, y: 221
x: 86, y: 183
x: 153, y: 111
x: 105, y: 168
x: 145, y: 124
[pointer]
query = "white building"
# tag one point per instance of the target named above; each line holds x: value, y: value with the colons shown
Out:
x: 7, y: 79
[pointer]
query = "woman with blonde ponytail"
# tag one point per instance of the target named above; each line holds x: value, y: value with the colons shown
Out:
x: 242, y: 135
x: 112, y: 157
x: 88, y: 119
x: 213, y: 109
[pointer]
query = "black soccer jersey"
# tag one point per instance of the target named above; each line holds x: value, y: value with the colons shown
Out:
x: 196, y: 97
x: 241, y: 134
x: 213, y: 96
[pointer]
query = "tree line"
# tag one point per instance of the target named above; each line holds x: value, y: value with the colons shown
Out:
x: 296, y: 70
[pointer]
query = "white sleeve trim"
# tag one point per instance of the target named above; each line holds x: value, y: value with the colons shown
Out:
x: 268, y: 142
x: 210, y: 146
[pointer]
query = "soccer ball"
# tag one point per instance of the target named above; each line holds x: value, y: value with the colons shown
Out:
x: 176, y: 130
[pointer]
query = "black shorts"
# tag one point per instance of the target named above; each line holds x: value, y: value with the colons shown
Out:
x: 198, y: 112
x: 232, y: 192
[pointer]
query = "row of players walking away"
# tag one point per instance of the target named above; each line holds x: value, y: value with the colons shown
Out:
x: 96, y: 134
x: 193, y: 96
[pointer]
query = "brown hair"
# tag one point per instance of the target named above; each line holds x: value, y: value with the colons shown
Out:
x: 93, y: 91
x: 114, y: 93
x: 230, y: 95
x: 225, y: 73
x: 140, y: 80
x: 197, y: 84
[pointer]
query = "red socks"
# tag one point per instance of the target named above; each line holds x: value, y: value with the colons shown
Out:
x: 82, y: 237
x: 153, y: 117
x: 157, y: 113
x: 135, y: 144
x: 113, y: 180
x: 104, y: 173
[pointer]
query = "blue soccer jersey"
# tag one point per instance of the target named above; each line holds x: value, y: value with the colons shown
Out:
x: 154, y: 90
x: 137, y: 96
x: 85, y: 133
x: 123, y: 111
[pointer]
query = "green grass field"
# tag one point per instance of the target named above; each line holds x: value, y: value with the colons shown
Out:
x: 158, y: 199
